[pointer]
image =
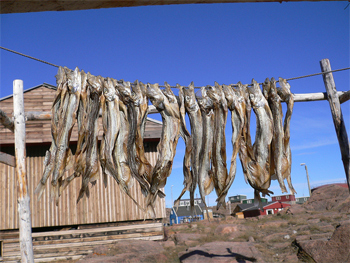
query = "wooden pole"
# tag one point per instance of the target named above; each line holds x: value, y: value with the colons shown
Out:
x: 339, y: 125
x: 24, y: 216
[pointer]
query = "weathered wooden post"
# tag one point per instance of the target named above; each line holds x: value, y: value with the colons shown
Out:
x: 339, y: 125
x: 24, y: 216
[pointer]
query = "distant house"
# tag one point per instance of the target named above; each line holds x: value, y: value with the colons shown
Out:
x: 237, y: 198
x: 186, y: 202
x: 251, y: 201
x: 301, y: 200
x: 288, y: 198
x: 251, y: 210
x: 183, y: 214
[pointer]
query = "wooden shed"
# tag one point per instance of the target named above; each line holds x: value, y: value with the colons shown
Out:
x: 104, y: 205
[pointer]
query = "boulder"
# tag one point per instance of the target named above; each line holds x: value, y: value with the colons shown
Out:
x: 329, y: 197
x: 337, y: 249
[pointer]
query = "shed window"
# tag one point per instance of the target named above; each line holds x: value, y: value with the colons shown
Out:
x: 287, y: 196
x: 181, y: 202
x: 278, y: 198
x: 305, y: 199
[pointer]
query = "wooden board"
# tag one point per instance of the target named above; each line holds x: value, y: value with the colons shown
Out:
x: 66, y: 244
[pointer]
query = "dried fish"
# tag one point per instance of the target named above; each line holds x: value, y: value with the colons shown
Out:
x: 141, y: 171
x: 188, y: 149
x: 91, y: 169
x: 63, y: 156
x: 219, y: 148
x: 111, y: 127
x: 195, y: 116
x: 285, y: 93
x: 236, y: 104
x: 258, y: 167
x: 269, y: 87
x: 205, y: 173
x: 166, y: 104
x: 61, y: 80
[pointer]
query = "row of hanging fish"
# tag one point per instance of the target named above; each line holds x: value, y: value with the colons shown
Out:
x: 121, y: 154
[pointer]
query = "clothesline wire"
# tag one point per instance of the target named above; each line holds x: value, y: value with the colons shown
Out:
x: 234, y: 85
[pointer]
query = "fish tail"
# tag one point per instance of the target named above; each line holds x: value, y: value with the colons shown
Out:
x: 221, y: 201
x: 81, y: 194
x: 150, y: 211
x: 40, y: 189
x: 257, y: 200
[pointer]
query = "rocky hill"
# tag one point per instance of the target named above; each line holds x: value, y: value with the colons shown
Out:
x: 317, y: 231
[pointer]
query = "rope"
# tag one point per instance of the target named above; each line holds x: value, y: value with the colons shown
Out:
x: 45, y: 62
x: 233, y: 85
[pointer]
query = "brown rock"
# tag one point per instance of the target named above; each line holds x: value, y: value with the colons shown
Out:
x: 277, y: 237
x: 228, y: 229
x: 329, y: 197
x: 272, y: 224
x: 168, y: 244
x: 293, y: 210
x: 222, y: 252
x: 337, y: 249
x: 181, y: 238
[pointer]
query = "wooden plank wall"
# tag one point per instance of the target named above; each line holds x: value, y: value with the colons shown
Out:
x: 40, y: 99
x: 104, y: 205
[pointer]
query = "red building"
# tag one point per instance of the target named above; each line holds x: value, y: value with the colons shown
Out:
x: 250, y: 210
x: 283, y: 198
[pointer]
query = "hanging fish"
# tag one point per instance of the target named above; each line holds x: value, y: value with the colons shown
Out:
x: 61, y: 80
x: 219, y: 147
x: 236, y: 104
x: 205, y: 173
x: 269, y: 87
x: 184, y: 133
x: 286, y: 95
x: 169, y: 110
x: 139, y: 170
x: 63, y: 156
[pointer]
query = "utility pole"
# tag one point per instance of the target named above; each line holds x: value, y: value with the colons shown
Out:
x: 307, y: 176
x: 172, y: 201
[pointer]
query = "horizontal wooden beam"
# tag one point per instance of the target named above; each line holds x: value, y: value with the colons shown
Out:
x: 320, y: 96
x: 6, y: 121
x: 7, y: 159
x: 26, y: 6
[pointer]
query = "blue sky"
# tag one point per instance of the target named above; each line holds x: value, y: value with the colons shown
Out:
x: 203, y: 43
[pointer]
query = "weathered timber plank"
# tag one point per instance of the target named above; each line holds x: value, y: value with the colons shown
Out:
x: 337, y: 115
x: 6, y: 121
x: 86, y: 243
x: 7, y: 159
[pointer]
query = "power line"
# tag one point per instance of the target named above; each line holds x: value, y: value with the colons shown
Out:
x: 234, y: 85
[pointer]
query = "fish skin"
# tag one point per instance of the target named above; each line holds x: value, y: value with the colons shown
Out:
x: 79, y: 157
x: 63, y: 152
x: 196, y: 122
x: 278, y: 134
x: 111, y: 128
x: 286, y: 95
x: 205, y: 173
x: 258, y: 165
x: 130, y: 112
x: 188, y: 149
x: 91, y: 171
x: 219, y: 147
x: 236, y: 104
x: 61, y: 80
x: 169, y: 110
